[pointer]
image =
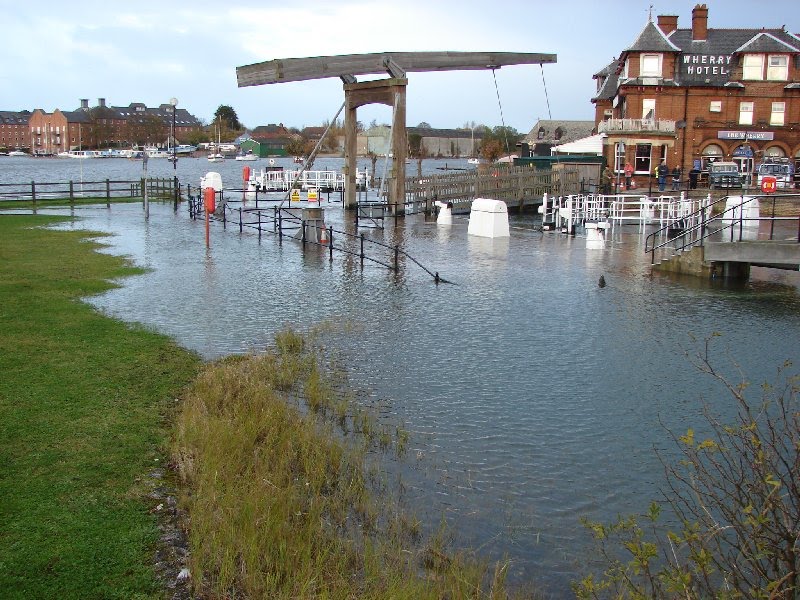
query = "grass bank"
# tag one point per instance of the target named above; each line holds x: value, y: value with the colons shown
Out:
x: 83, y: 405
x: 283, y: 501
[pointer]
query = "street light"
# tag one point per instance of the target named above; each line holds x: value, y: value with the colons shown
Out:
x: 174, y: 103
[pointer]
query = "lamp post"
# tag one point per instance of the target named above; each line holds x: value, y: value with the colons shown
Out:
x: 174, y: 103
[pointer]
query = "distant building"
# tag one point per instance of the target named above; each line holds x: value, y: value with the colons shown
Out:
x: 268, y: 140
x: 695, y: 95
x: 58, y: 131
x: 435, y: 143
x: 104, y: 126
x: 14, y: 129
x: 547, y: 133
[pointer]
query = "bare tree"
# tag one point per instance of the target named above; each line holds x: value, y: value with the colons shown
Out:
x: 735, y: 496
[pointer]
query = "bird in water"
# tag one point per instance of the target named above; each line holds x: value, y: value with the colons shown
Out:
x: 602, y: 282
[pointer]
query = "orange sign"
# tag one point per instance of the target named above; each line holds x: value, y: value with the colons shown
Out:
x: 769, y: 184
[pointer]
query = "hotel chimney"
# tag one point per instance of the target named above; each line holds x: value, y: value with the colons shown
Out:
x: 667, y: 23
x: 700, y: 23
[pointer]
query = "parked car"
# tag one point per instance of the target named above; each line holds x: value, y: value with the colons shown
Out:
x: 724, y: 175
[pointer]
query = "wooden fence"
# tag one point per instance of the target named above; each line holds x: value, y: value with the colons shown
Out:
x: 164, y: 188
x: 519, y: 187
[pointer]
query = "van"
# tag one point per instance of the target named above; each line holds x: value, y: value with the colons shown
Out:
x: 724, y: 175
x: 781, y: 169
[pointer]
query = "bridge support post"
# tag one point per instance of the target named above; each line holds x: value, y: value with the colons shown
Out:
x: 391, y: 92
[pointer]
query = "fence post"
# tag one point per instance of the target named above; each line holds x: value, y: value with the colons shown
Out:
x: 240, y: 219
x: 362, y: 249
x: 141, y: 189
x: 108, y: 194
x: 330, y: 242
x: 396, y: 259
x: 71, y: 192
x: 303, y: 225
x: 33, y: 191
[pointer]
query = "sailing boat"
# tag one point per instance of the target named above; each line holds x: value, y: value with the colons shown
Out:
x: 216, y: 155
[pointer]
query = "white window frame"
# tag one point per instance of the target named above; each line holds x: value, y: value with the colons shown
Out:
x: 753, y: 67
x: 777, y: 115
x: 780, y: 70
x: 653, y: 61
x: 746, y: 110
x: 715, y: 106
x: 643, y: 163
x: 648, y: 104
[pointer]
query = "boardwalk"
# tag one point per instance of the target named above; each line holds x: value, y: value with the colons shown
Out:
x: 519, y: 187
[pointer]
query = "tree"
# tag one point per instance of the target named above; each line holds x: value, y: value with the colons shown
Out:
x: 227, y: 116
x: 506, y: 136
x: 146, y: 130
x: 735, y: 496
x: 491, y: 150
x: 299, y: 146
x: 424, y: 125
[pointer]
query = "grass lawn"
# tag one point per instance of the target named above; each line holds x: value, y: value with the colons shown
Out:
x: 84, y: 415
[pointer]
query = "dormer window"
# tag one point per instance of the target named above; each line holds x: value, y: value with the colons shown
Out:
x: 753, y: 67
x: 778, y: 68
x: 559, y: 132
x: 650, y: 65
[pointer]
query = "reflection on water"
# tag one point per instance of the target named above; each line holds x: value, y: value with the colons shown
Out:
x: 533, y: 395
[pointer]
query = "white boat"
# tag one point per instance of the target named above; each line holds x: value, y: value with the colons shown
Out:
x: 157, y: 153
x: 215, y: 154
x: 78, y: 154
x: 185, y: 149
x: 474, y: 161
x: 248, y: 156
x: 17, y: 153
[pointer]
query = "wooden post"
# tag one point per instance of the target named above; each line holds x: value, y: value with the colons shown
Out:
x: 33, y: 191
x: 397, y: 195
x: 108, y: 194
x: 350, y: 152
x: 71, y: 192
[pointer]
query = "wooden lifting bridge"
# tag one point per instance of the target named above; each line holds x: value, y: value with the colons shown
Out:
x: 392, y: 92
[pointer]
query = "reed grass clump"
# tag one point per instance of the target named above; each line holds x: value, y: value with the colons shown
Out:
x: 278, y: 498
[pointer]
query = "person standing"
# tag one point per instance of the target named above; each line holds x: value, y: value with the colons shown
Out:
x: 676, y: 178
x: 628, y: 170
x: 605, y: 181
x: 661, y: 172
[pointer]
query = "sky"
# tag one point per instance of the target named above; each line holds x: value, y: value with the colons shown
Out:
x: 57, y: 52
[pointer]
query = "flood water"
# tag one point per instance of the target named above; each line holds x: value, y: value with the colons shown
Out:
x: 533, y: 395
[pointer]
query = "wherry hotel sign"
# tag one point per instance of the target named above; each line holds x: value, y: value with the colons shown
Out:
x: 713, y: 66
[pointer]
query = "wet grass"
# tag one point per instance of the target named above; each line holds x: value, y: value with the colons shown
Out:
x: 280, y: 498
x: 84, y: 401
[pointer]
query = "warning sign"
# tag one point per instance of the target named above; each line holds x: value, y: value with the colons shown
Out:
x: 295, y: 196
x: 312, y: 194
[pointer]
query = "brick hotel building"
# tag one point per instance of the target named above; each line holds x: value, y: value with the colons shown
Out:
x: 696, y: 95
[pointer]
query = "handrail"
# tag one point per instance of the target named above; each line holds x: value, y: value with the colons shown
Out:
x: 278, y: 219
x: 704, y: 217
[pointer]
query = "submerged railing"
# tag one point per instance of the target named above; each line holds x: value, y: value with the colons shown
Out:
x: 288, y: 223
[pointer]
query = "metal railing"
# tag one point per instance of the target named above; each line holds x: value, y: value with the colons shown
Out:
x: 636, y: 125
x: 733, y: 223
x: 284, y: 222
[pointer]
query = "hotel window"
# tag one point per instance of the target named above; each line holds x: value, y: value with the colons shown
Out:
x: 715, y: 106
x: 642, y: 160
x: 777, y: 115
x: 649, y: 108
x: 753, y: 67
x: 778, y: 68
x: 650, y: 65
x: 745, y: 113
